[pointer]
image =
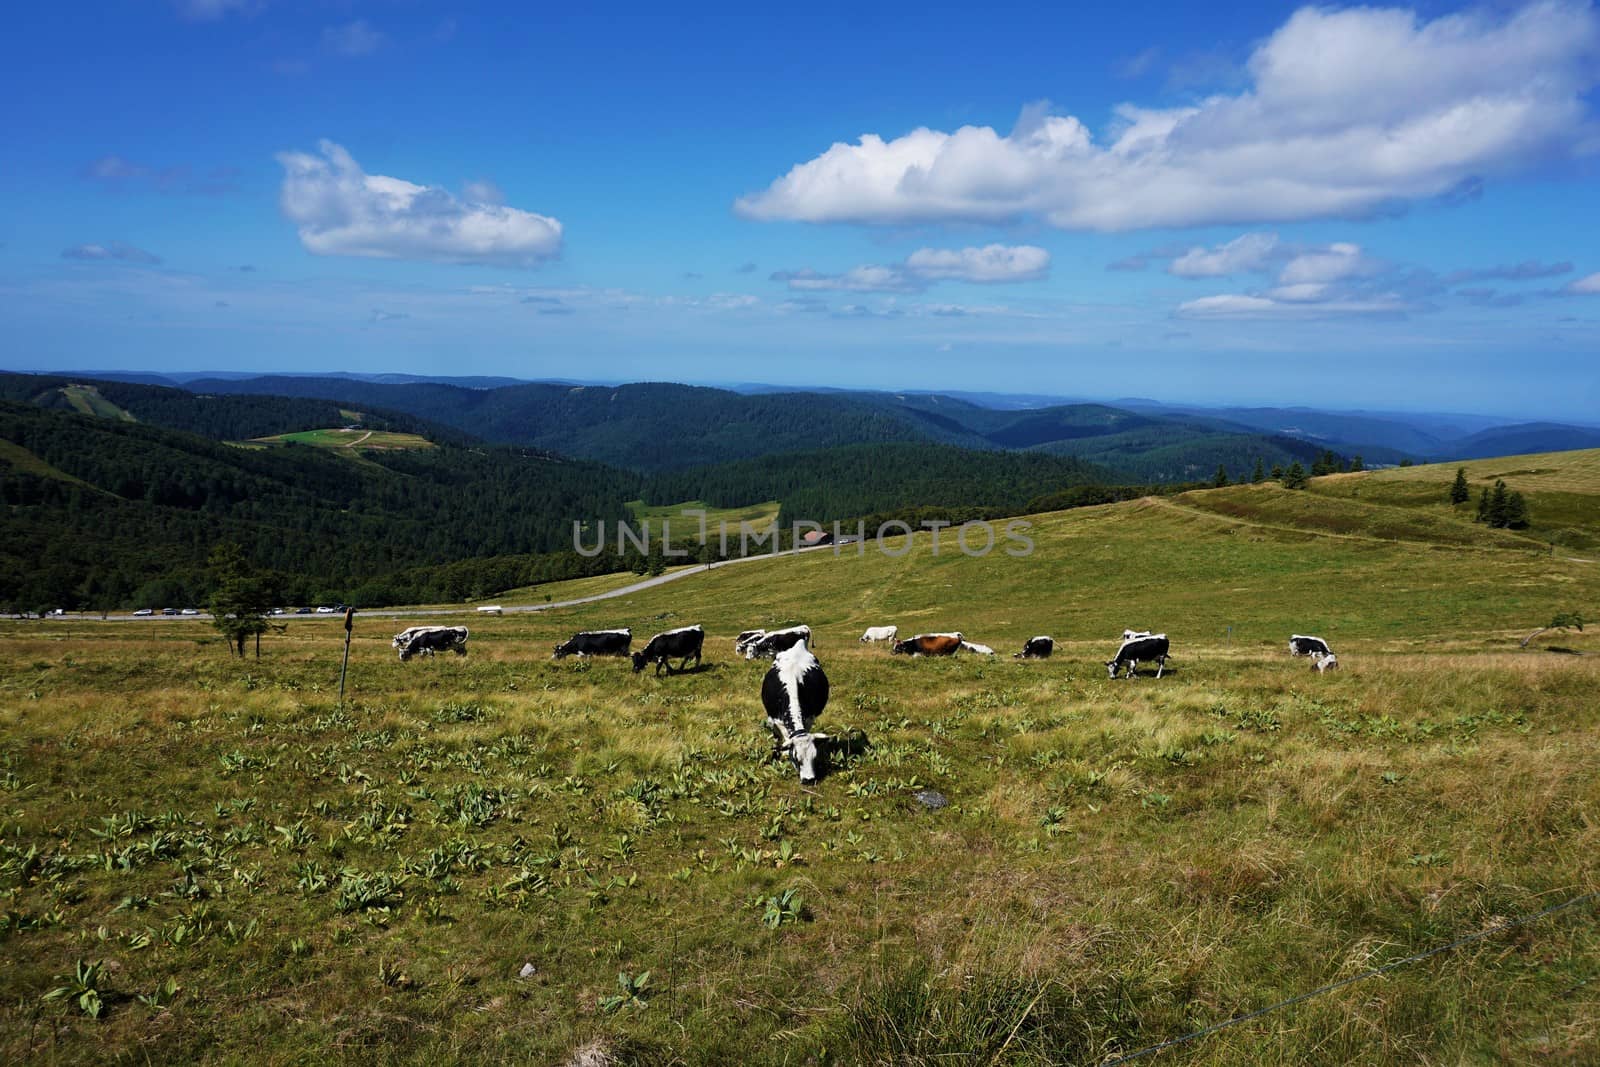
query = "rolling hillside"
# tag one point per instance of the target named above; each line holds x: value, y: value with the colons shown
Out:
x: 505, y: 857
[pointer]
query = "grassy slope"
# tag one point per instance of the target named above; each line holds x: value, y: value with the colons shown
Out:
x: 648, y: 517
x: 358, y: 440
x: 1119, y: 863
x: 1562, y: 488
x: 86, y: 400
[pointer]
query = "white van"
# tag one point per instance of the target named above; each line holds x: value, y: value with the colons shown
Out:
x: 491, y: 609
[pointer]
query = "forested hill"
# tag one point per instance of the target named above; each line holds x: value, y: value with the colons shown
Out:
x: 93, y: 511
x: 655, y: 427
x: 234, y: 417
x: 853, y: 481
x: 647, y: 426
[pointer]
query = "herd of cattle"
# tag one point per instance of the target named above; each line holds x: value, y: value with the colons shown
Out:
x: 795, y: 690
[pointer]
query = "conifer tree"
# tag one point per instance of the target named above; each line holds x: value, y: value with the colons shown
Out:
x: 1499, y: 502
x: 1458, y: 489
x: 1260, y: 473
x: 1483, y: 505
x: 1222, y: 476
x: 1295, y: 477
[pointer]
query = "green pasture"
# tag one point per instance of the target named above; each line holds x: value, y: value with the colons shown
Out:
x: 241, y: 870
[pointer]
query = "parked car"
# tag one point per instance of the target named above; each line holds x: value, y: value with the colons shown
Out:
x: 190, y: 611
x: 302, y: 611
x: 169, y: 611
x: 144, y: 611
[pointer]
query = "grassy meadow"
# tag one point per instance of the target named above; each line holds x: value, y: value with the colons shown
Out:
x: 354, y: 440
x: 255, y: 873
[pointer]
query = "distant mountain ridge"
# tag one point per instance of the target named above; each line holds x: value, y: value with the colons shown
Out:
x: 657, y: 426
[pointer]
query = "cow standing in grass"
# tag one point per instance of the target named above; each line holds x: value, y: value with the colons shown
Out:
x: 881, y: 633
x: 596, y: 643
x: 683, y: 644
x: 1141, y: 649
x: 772, y: 642
x: 427, y: 640
x: 794, y: 692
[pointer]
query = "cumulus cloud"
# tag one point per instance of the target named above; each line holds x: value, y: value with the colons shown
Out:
x: 1334, y: 263
x: 1347, y: 113
x: 1240, y: 255
x: 1588, y: 285
x: 358, y: 38
x: 115, y: 250
x: 1528, y: 270
x: 1312, y: 281
x: 339, y: 210
x: 988, y: 265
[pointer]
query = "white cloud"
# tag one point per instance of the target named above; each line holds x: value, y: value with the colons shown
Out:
x: 1242, y: 254
x: 1296, y: 303
x: 358, y: 38
x: 1591, y: 284
x: 990, y: 264
x: 340, y: 210
x: 1334, y: 263
x: 1348, y: 112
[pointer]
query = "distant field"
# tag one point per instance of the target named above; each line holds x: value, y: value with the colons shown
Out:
x: 86, y: 400
x: 572, y: 589
x: 1119, y: 863
x: 759, y: 516
x: 360, y: 440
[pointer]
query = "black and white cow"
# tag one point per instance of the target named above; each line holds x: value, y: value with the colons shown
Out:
x: 769, y: 644
x: 1037, y: 648
x: 1324, y: 663
x: 596, y: 643
x: 1141, y: 649
x: 929, y: 645
x: 1301, y: 645
x: 683, y: 644
x: 794, y: 692
x: 1129, y: 635
x: 430, y: 639
x: 745, y: 639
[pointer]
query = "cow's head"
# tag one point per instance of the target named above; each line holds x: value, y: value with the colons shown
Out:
x: 1111, y: 666
x: 639, y: 662
x: 804, y: 752
x: 560, y: 651
x: 900, y: 648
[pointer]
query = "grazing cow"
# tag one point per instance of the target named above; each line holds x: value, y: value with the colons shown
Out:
x: 1301, y: 645
x: 928, y: 645
x: 596, y: 643
x: 794, y: 692
x: 769, y: 644
x: 745, y: 639
x: 430, y: 639
x: 1328, y: 662
x: 683, y: 644
x: 1037, y: 648
x: 973, y: 646
x: 1140, y: 649
x: 881, y: 633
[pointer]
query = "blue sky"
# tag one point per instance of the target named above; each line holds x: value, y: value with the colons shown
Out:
x: 1348, y: 207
